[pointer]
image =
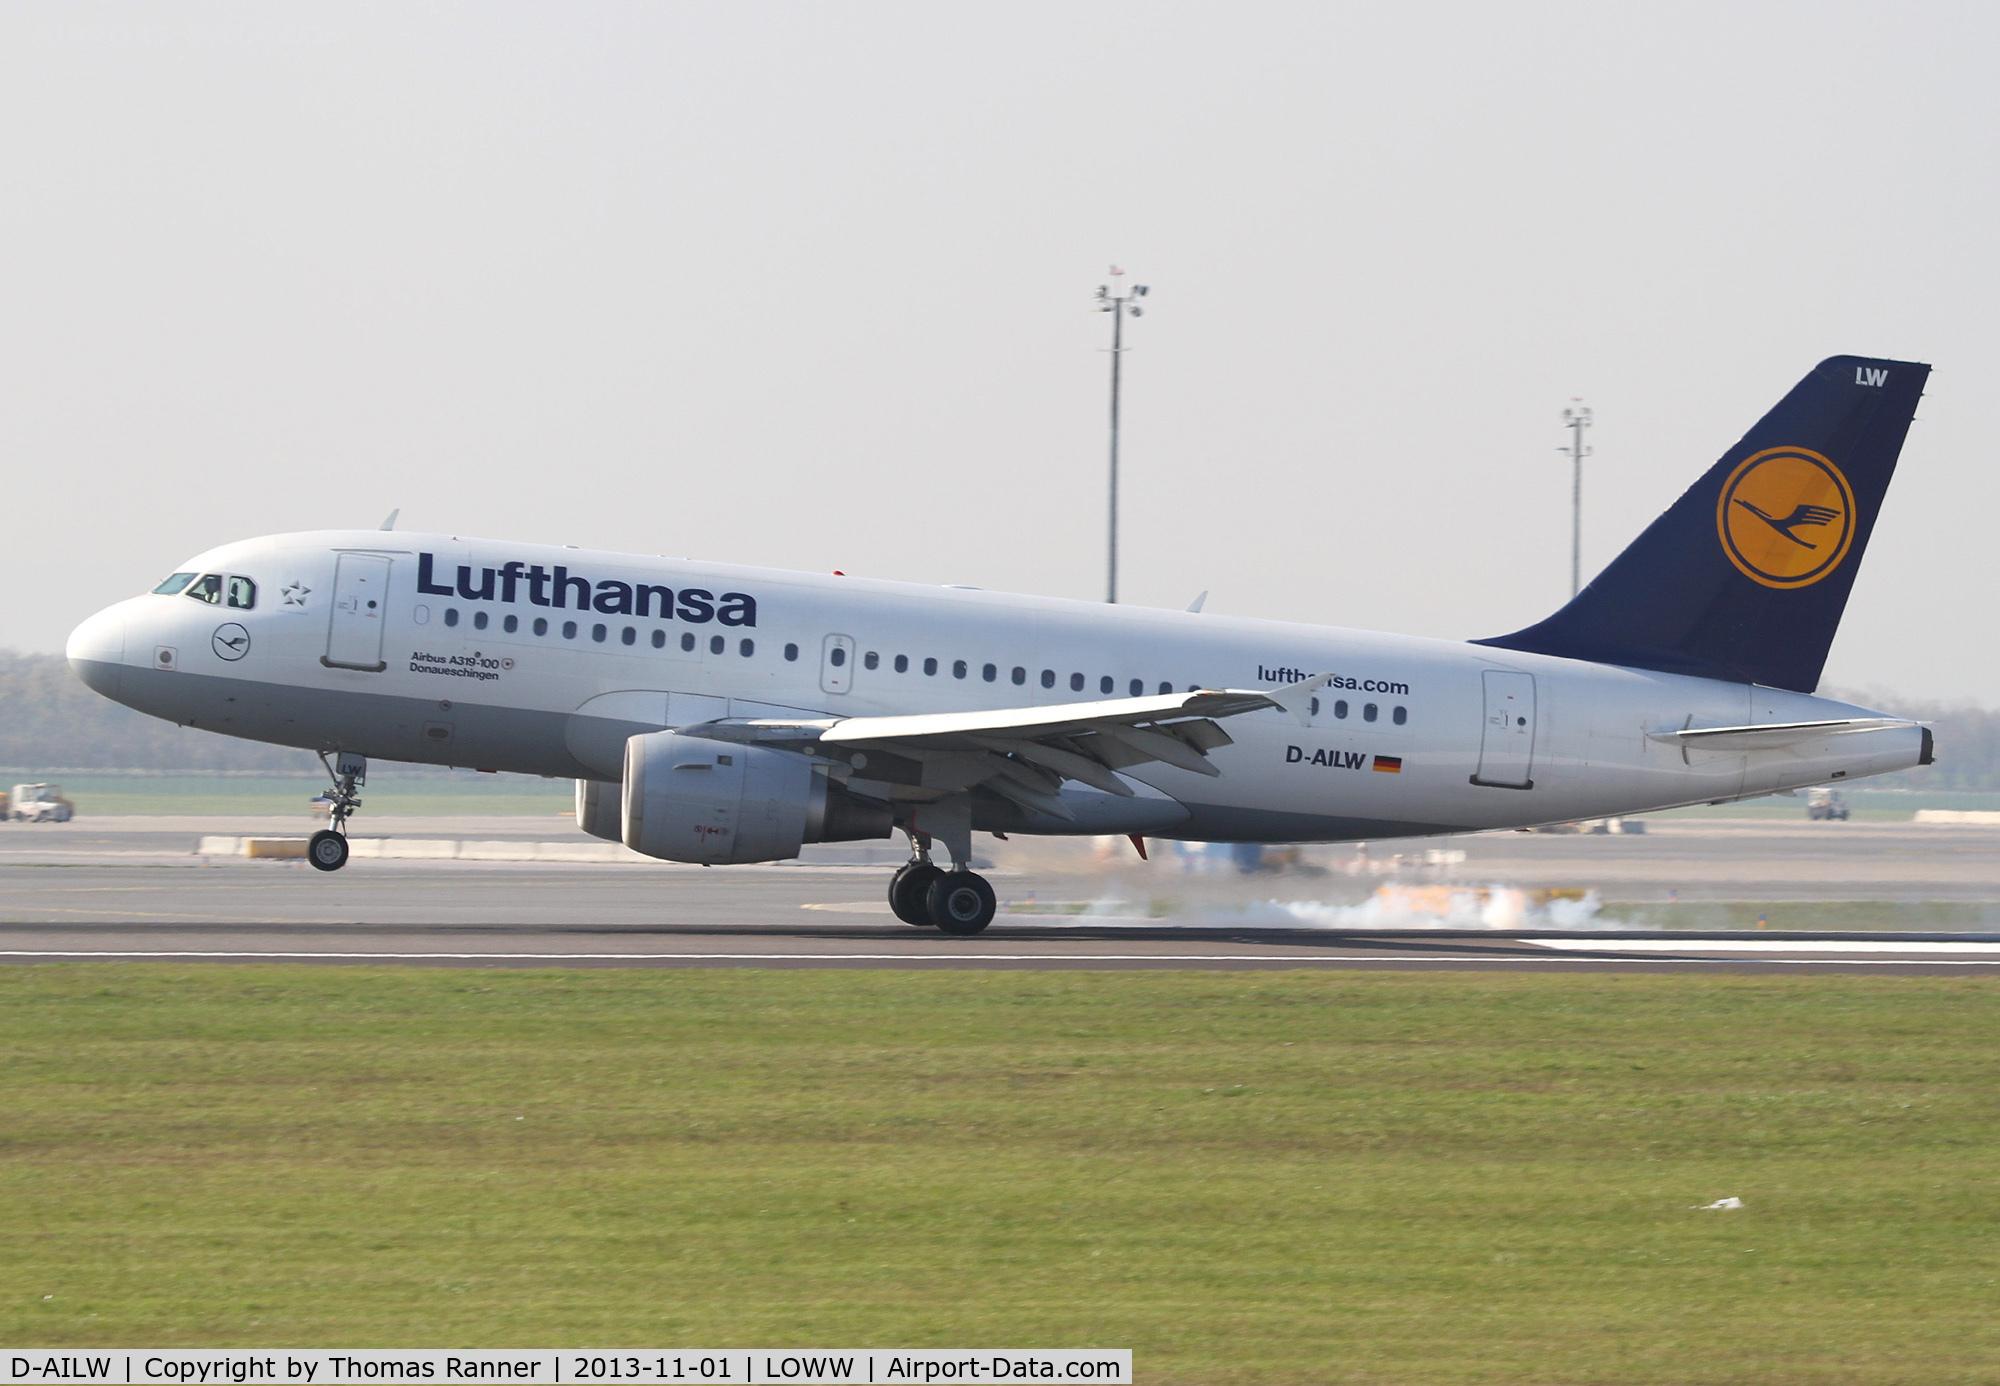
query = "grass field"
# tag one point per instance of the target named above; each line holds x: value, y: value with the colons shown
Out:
x: 1923, y: 916
x: 1245, y: 1178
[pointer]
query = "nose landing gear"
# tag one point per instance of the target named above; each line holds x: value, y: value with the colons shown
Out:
x: 327, y: 848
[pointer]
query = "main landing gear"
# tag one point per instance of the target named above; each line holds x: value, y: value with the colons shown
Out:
x: 958, y: 902
x: 327, y: 848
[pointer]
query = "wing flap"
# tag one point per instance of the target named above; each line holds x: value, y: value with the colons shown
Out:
x: 1025, y: 753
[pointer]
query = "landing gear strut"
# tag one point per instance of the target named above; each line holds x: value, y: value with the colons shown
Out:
x: 327, y: 848
x: 958, y: 902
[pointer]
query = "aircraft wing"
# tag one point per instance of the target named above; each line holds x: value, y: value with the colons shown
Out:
x: 1773, y: 735
x: 1021, y: 753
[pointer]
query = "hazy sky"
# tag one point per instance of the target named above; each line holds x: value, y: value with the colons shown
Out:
x: 809, y: 286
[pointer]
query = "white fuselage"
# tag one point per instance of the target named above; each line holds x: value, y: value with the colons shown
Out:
x: 1412, y: 735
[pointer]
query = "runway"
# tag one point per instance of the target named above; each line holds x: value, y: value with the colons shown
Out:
x: 131, y: 890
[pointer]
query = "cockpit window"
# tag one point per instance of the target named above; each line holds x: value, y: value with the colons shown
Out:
x: 242, y: 593
x: 207, y: 588
x: 173, y: 584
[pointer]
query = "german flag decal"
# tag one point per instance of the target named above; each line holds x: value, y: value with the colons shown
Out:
x: 1391, y: 764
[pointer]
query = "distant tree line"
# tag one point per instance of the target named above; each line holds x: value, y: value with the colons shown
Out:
x: 50, y: 720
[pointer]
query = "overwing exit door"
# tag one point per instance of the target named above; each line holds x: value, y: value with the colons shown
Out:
x: 836, y: 664
x: 1507, y: 740
x: 360, y: 611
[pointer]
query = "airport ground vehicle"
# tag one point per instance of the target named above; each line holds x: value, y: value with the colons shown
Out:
x: 1826, y: 805
x: 39, y: 803
x: 721, y: 714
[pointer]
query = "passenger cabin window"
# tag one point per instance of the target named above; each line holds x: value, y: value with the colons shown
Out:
x: 746, y: 648
x: 1048, y: 678
x: 871, y: 660
x: 451, y: 615
x: 242, y: 593
x: 1138, y: 688
x: 1400, y: 716
x: 791, y: 652
x: 1019, y: 675
x: 902, y: 664
x: 1104, y: 685
x: 1076, y: 683
x: 597, y: 634
x: 541, y: 625
x: 1368, y: 712
x: 659, y: 640
x: 1165, y: 689
x: 207, y: 588
x: 837, y: 656
x: 988, y: 672
x: 173, y: 585
x: 479, y: 619
x: 569, y: 630
x: 511, y: 624
x: 715, y: 644
x: 687, y: 640
x: 628, y: 635
x: 1340, y: 707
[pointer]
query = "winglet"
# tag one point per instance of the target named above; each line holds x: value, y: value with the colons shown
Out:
x: 1296, y: 698
x: 390, y: 523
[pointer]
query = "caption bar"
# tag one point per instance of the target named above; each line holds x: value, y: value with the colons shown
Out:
x: 547, y: 1367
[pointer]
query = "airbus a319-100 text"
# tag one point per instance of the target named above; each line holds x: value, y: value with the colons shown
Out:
x: 720, y: 714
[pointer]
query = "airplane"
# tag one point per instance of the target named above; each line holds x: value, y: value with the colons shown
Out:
x: 720, y: 714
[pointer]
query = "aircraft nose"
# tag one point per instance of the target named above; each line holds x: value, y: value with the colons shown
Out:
x: 96, y: 650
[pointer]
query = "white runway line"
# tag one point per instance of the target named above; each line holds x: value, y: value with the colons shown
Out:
x: 1286, y: 959
x: 1758, y: 945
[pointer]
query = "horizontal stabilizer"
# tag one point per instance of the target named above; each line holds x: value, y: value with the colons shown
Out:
x: 1773, y: 734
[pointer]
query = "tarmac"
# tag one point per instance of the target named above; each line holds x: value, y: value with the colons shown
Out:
x: 136, y: 889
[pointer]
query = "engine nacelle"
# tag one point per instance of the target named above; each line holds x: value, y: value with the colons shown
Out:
x: 599, y: 811
x: 719, y: 803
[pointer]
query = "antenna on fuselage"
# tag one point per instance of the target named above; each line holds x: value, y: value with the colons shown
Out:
x: 390, y: 523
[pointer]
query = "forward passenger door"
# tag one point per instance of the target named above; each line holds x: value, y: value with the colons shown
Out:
x: 360, y: 610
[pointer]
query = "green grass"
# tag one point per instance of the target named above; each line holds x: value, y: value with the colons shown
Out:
x: 1245, y: 1178
x: 1922, y: 916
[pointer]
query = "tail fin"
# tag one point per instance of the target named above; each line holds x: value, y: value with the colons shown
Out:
x: 1745, y: 577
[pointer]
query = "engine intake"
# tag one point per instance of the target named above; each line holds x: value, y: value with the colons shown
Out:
x: 720, y: 803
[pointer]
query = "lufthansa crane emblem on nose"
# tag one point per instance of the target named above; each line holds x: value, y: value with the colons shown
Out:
x: 1786, y: 517
x: 230, y: 641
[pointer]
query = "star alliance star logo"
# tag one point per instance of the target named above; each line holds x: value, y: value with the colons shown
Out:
x: 295, y: 594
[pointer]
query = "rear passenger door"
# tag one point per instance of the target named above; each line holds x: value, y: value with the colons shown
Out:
x: 1507, y: 740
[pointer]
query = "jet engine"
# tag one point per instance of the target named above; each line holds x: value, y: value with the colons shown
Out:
x: 598, y: 809
x: 720, y: 803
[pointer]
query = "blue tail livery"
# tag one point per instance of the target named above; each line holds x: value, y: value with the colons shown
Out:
x: 1745, y: 576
